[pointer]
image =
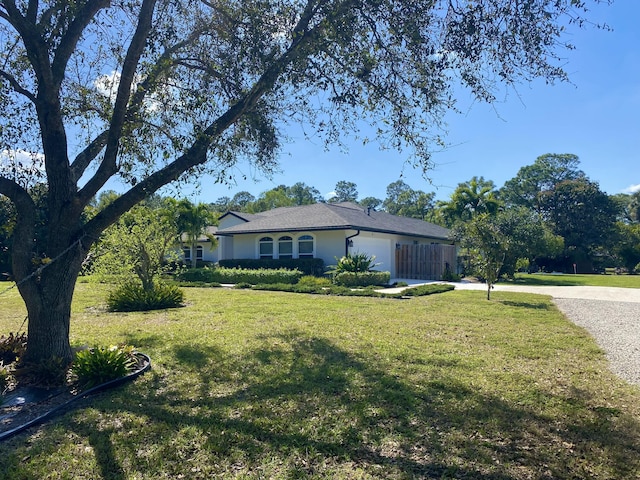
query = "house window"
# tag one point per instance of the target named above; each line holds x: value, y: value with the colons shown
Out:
x: 186, y: 253
x: 266, y: 247
x: 305, y: 246
x: 285, y: 247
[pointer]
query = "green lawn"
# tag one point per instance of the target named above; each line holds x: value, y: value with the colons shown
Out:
x: 625, y: 281
x: 253, y: 384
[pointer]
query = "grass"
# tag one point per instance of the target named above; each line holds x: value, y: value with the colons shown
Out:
x: 255, y: 384
x: 625, y: 281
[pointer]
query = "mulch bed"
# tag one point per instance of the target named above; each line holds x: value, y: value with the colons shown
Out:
x: 28, y: 405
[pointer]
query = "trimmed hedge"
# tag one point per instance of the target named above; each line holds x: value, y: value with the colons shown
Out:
x: 240, y: 275
x: 331, y: 290
x: 428, y: 289
x: 308, y: 266
x: 361, y: 279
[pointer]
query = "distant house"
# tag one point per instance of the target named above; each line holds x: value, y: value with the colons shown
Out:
x: 331, y: 230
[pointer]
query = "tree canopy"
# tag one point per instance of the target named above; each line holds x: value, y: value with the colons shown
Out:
x: 154, y: 91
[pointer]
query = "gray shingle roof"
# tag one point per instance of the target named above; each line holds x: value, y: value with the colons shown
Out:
x: 332, y: 216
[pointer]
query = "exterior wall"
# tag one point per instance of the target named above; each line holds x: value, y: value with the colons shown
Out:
x: 330, y: 245
x: 327, y: 245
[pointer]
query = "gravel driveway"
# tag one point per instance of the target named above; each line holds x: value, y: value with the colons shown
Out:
x: 610, y: 315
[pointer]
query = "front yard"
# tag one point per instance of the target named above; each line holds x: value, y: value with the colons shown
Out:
x: 255, y: 384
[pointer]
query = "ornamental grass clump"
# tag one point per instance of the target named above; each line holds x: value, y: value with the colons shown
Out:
x: 132, y: 297
x: 99, y: 365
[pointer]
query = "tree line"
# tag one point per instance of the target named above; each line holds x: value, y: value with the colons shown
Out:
x: 550, y: 216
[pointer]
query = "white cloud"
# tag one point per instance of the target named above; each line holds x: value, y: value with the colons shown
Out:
x: 632, y: 188
x: 330, y: 195
x: 25, y: 168
x: 107, y: 86
x: 23, y: 158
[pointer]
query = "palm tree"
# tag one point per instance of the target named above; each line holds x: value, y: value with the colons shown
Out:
x: 192, y: 221
x: 470, y: 199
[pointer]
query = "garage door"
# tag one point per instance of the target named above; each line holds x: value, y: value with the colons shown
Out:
x: 380, y: 247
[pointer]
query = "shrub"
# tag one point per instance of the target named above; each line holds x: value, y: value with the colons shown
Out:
x: 363, y: 279
x: 99, y: 365
x: 449, y: 276
x: 311, y: 281
x: 50, y: 372
x: 428, y: 289
x: 239, y: 275
x: 355, y: 263
x: 308, y: 266
x: 131, y: 297
x: 12, y: 347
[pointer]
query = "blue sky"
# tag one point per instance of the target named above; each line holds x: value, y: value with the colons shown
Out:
x: 597, y: 118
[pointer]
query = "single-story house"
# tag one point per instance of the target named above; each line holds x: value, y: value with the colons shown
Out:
x: 329, y: 231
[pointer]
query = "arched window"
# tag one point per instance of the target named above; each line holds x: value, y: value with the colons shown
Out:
x: 199, y: 252
x: 285, y: 247
x: 265, y: 247
x: 186, y: 254
x: 305, y: 246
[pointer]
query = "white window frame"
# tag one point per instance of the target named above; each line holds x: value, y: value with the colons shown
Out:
x: 303, y: 238
x: 286, y: 239
x: 266, y: 240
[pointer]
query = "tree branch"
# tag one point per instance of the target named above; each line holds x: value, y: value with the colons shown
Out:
x: 108, y: 167
x: 70, y: 39
x: 17, y: 87
x: 197, y: 153
x: 84, y: 158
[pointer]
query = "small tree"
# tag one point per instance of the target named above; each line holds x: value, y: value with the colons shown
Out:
x: 487, y: 247
x: 142, y: 243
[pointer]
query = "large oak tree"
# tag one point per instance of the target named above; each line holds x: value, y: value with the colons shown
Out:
x: 154, y: 91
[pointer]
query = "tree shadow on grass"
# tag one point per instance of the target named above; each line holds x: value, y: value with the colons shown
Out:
x: 528, y: 305
x: 302, y: 407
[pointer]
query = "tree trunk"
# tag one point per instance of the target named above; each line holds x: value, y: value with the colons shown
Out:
x: 48, y: 297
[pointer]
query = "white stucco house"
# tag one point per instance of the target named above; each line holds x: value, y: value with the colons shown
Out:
x: 329, y: 231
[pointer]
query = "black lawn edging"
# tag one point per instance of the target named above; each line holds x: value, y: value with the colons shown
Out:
x: 104, y: 386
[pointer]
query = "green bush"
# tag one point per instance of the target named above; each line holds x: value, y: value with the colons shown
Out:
x: 131, y: 297
x: 326, y: 290
x: 362, y: 279
x: 99, y: 365
x: 50, y: 372
x: 311, y: 281
x: 428, y: 289
x: 239, y: 275
x: 196, y: 275
x: 354, y: 263
x: 308, y: 266
x: 449, y: 275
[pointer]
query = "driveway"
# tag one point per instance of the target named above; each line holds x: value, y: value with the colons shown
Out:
x: 612, y: 294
